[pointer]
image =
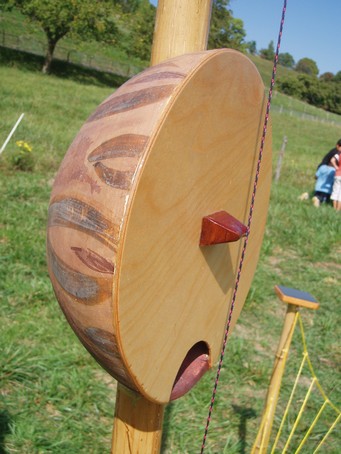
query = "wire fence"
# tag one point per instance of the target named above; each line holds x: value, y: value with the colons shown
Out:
x: 37, y: 47
x: 327, y: 118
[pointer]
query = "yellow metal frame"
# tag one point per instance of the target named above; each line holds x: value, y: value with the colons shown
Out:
x: 295, y: 299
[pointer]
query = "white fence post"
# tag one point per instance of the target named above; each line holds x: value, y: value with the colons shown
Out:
x: 280, y: 158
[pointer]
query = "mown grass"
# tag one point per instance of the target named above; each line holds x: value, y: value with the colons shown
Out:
x: 53, y: 397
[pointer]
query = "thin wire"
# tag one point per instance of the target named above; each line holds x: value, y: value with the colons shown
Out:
x: 300, y: 413
x: 314, y: 382
x: 241, y: 261
x: 329, y: 431
x: 317, y: 417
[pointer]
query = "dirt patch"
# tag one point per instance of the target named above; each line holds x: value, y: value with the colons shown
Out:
x: 328, y: 265
x: 105, y: 378
x: 53, y: 411
x: 258, y: 341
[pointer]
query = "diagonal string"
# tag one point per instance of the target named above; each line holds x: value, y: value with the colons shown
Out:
x: 241, y: 261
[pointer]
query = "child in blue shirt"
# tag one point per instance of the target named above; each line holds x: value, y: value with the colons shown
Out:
x: 324, y: 184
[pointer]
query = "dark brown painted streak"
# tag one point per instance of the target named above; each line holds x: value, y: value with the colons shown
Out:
x: 152, y: 70
x: 132, y: 100
x: 113, y: 365
x: 85, y: 289
x: 93, y: 260
x: 105, y: 343
x: 158, y: 76
x: 104, y: 340
x: 117, y: 179
x: 78, y: 215
x: 126, y: 145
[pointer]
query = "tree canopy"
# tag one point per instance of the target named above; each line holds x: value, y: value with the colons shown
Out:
x: 286, y: 59
x: 325, y: 94
x: 269, y: 52
x: 327, y: 77
x: 138, y: 42
x: 251, y: 47
x: 307, y: 66
x: 86, y: 18
x: 337, y: 77
x: 225, y: 30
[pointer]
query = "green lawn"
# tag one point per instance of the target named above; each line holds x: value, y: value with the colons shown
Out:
x: 53, y: 397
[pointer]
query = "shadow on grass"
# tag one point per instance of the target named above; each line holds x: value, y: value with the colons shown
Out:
x: 4, y: 429
x: 244, y: 413
x: 62, y: 69
x: 166, y: 423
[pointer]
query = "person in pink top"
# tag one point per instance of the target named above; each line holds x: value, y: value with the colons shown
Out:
x: 336, y: 194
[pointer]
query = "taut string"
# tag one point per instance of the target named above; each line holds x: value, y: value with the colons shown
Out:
x: 241, y: 261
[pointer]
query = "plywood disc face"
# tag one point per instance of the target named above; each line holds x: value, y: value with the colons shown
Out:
x: 172, y: 294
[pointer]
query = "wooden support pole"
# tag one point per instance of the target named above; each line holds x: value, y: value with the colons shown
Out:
x: 295, y: 299
x: 262, y: 440
x: 137, y: 424
x: 181, y: 27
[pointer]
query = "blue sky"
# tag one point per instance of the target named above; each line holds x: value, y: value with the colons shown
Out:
x: 312, y: 28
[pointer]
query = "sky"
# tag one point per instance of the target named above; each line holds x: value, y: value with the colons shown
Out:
x: 312, y: 28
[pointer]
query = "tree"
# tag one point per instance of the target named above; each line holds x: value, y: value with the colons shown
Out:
x: 225, y: 30
x: 337, y: 77
x: 269, y: 53
x: 291, y: 86
x: 320, y: 93
x: 127, y: 6
x: 141, y: 25
x: 307, y: 66
x: 90, y: 19
x: 327, y: 77
x: 251, y: 47
x: 286, y: 59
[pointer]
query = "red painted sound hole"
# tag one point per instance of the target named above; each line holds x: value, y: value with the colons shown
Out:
x: 193, y: 367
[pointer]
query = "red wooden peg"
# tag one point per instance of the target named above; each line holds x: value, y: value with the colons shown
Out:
x: 221, y: 227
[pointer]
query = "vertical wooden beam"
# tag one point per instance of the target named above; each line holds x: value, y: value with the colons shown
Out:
x: 137, y: 424
x: 261, y: 443
x: 181, y: 27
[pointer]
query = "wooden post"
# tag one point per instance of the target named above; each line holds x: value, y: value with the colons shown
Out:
x: 137, y: 424
x: 280, y: 159
x: 262, y: 440
x: 294, y: 298
x: 181, y: 27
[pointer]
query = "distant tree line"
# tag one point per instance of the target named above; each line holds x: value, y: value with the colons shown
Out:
x: 129, y: 25
x: 322, y: 91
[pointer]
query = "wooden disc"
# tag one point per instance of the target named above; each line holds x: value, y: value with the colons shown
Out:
x: 178, y: 142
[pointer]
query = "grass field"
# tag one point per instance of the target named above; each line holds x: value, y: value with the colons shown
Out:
x: 53, y: 397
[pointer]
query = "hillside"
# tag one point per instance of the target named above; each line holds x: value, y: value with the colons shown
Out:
x: 54, y: 398
x: 110, y: 64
